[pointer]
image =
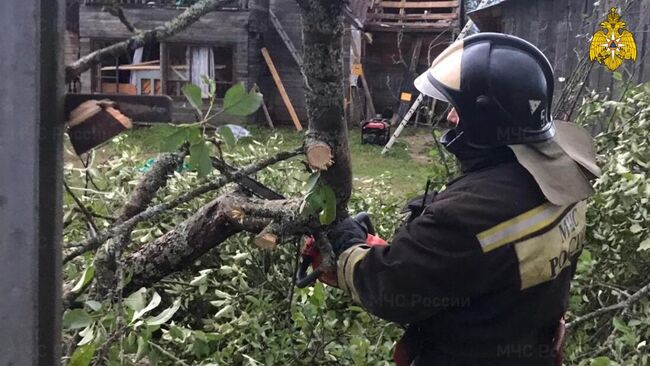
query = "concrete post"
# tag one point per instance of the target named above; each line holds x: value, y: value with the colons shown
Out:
x: 31, y: 130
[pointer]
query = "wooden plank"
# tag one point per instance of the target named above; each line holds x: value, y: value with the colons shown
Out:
x: 370, y: 106
x: 430, y: 16
x: 419, y: 4
x: 407, y: 27
x: 216, y: 26
x: 280, y: 86
x: 164, y: 66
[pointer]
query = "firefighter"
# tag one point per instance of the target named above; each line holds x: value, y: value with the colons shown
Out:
x: 481, y: 276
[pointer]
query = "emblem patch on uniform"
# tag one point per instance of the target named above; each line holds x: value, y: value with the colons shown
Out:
x: 533, y: 105
x: 543, y: 257
x: 613, y: 44
x: 545, y: 240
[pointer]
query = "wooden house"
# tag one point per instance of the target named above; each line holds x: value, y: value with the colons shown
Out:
x: 385, y: 45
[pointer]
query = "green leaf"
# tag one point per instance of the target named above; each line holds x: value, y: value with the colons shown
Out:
x: 226, y: 134
x: 173, y: 141
x: 617, y: 76
x: 238, y: 102
x: 635, y: 228
x: 328, y: 214
x: 76, y: 319
x: 225, y: 311
x: 82, y: 355
x: 200, y: 158
x: 193, y: 95
x: 155, y: 301
x: 194, y: 134
x: 143, y: 348
x: 212, y: 86
x: 136, y: 301
x: 85, y: 279
x: 164, y: 315
x: 154, y: 357
x: 312, y: 181
x: 94, y: 305
x: 601, y: 361
x: 318, y: 296
x: 645, y: 245
x: 88, y: 335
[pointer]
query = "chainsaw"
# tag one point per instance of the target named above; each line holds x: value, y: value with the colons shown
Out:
x: 311, y: 256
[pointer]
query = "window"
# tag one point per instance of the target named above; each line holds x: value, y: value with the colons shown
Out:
x: 191, y: 63
x: 135, y: 73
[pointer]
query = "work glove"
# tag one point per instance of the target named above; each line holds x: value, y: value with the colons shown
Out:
x: 346, y: 234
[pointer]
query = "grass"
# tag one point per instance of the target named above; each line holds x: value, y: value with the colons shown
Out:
x: 406, y: 166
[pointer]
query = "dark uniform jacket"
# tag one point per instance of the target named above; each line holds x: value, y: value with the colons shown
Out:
x: 482, y: 276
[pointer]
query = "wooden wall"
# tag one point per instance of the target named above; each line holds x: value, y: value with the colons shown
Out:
x: 288, y: 14
x: 384, y: 75
x: 218, y: 28
x: 562, y: 29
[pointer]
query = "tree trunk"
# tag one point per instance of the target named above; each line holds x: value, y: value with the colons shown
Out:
x: 322, y: 24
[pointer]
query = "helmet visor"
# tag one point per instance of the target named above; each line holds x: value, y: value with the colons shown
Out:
x: 424, y: 86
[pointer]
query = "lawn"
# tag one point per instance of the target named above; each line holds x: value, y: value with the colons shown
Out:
x: 406, y: 166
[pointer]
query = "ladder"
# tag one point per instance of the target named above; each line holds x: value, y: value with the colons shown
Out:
x: 287, y: 42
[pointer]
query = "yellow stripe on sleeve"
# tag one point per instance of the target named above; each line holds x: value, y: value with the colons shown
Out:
x: 345, y: 269
x: 519, y: 226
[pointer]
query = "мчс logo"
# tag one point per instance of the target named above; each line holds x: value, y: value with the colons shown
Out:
x: 613, y: 44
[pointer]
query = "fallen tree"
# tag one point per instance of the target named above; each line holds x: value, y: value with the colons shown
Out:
x: 325, y: 147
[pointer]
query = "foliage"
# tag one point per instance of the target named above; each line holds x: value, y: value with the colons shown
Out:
x: 237, y: 306
x: 232, y: 307
x: 617, y: 259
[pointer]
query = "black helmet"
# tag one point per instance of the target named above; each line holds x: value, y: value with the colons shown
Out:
x: 501, y: 87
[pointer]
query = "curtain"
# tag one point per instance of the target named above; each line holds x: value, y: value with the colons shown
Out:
x: 137, y: 58
x: 201, y: 61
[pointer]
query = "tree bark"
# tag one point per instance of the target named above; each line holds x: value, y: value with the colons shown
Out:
x: 322, y: 24
x: 215, y: 222
x: 106, y: 259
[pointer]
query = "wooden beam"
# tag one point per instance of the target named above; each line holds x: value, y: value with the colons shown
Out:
x: 429, y: 16
x: 370, y: 106
x: 419, y: 4
x: 280, y: 86
x: 407, y: 27
x: 164, y: 67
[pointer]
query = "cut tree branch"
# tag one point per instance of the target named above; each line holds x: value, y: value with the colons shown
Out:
x: 118, y: 12
x: 206, y: 229
x: 106, y: 260
x: 174, y: 26
x: 624, y: 305
x: 93, y: 243
x: 87, y: 214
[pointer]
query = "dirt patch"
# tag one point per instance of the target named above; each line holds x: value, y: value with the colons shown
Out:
x: 420, y: 145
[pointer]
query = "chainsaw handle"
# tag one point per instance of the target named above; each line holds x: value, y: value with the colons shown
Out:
x: 302, y: 278
x: 363, y: 218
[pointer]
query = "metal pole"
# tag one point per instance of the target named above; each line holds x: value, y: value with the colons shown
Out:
x: 31, y: 141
